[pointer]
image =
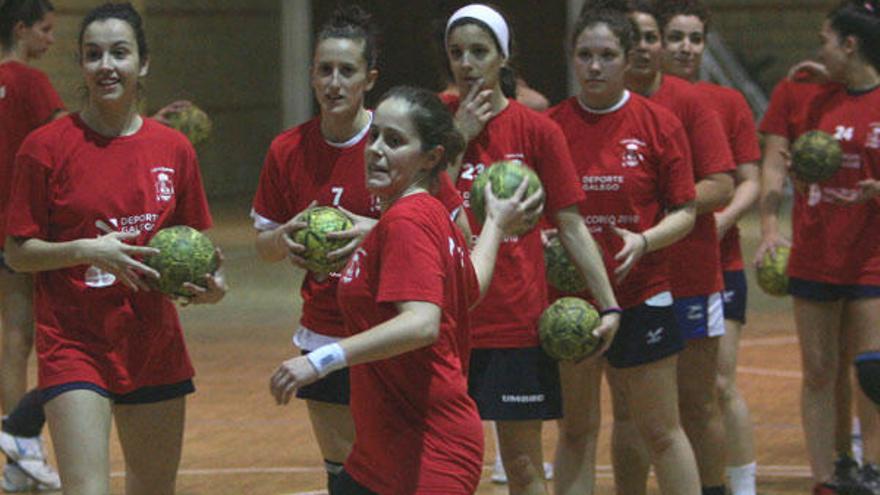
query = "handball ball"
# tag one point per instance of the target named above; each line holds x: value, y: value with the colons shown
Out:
x: 561, y: 272
x: 566, y: 329
x: 815, y: 156
x: 185, y: 255
x: 505, y: 177
x: 321, y: 220
x: 193, y: 122
x: 772, y: 274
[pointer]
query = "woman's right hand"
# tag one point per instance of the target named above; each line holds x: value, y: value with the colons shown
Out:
x: 511, y: 213
x: 112, y: 254
x: 769, y: 243
x: 474, y: 111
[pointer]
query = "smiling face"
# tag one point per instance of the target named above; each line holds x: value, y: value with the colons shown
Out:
x: 36, y: 39
x: 683, y: 45
x: 646, y: 55
x: 340, y: 77
x: 473, y: 55
x: 599, y: 64
x: 394, y: 157
x: 110, y: 62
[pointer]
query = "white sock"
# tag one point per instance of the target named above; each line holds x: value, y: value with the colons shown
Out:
x: 742, y: 479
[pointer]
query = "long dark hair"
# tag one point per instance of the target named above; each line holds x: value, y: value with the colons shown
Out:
x: 12, y: 12
x: 860, y: 19
x: 353, y: 23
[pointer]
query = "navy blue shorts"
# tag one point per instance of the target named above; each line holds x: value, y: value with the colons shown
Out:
x: 825, y: 292
x: 515, y: 384
x: 3, y: 266
x: 700, y: 317
x: 736, y: 294
x: 647, y: 334
x: 143, y: 395
x: 332, y: 389
x: 344, y: 484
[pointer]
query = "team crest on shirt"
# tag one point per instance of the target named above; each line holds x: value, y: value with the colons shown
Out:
x: 353, y: 268
x: 164, y: 185
x: 633, y: 152
x: 873, y: 139
x: 2, y: 92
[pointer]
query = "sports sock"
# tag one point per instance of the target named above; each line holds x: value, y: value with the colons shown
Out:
x: 742, y: 479
x: 27, y: 419
x: 714, y: 490
x: 333, y: 469
x: 868, y: 368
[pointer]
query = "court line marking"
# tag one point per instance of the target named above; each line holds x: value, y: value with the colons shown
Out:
x: 768, y: 341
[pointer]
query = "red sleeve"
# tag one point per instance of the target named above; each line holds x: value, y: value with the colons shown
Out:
x: 745, y: 146
x: 269, y: 201
x: 43, y: 101
x: 192, y: 205
x: 776, y: 119
x: 709, y: 148
x: 556, y: 169
x: 677, y: 183
x: 411, y: 264
x: 28, y: 210
x: 447, y: 193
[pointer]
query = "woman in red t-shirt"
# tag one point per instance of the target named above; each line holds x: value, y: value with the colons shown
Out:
x: 405, y: 296
x: 633, y: 160
x: 108, y: 348
x: 27, y: 101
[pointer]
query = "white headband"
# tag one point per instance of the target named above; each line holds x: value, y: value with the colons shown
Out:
x: 488, y: 16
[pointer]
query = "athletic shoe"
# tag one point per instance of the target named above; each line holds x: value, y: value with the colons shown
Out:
x: 28, y: 455
x: 500, y: 476
x: 870, y: 477
x: 15, y: 481
x: 846, y: 478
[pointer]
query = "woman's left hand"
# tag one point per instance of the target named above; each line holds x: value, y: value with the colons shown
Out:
x: 635, y: 246
x: 511, y: 213
x: 868, y: 189
x: 291, y: 375
x: 213, y: 291
x: 606, y: 331
x: 362, y: 226
x: 174, y: 107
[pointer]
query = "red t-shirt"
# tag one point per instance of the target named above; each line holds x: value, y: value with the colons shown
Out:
x: 508, y: 315
x: 27, y: 101
x: 742, y: 135
x: 695, y: 261
x: 837, y: 243
x: 89, y: 327
x: 634, y: 163
x: 786, y: 116
x: 301, y: 167
x: 417, y: 430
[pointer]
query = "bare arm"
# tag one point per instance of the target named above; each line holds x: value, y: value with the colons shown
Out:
x: 713, y: 192
x: 773, y: 175
x: 585, y: 254
x: 748, y: 189
x: 416, y: 325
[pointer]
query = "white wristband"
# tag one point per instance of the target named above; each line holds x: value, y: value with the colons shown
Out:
x: 327, y: 359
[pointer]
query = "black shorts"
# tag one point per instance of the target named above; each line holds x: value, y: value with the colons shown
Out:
x: 735, y: 295
x: 3, y: 266
x: 344, y: 484
x: 647, y: 334
x: 515, y: 384
x: 332, y: 389
x: 825, y: 292
x: 143, y: 395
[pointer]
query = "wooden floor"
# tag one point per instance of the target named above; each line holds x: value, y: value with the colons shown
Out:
x: 239, y: 442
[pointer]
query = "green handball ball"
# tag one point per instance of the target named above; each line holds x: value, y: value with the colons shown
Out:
x: 772, y: 274
x: 561, y: 272
x: 566, y: 329
x: 185, y: 255
x: 193, y: 122
x: 815, y: 156
x: 320, y: 221
x: 505, y: 177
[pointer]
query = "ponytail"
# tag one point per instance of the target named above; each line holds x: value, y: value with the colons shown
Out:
x: 861, y: 19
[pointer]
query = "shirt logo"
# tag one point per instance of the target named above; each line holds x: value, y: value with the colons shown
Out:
x: 654, y: 337
x: 633, y: 154
x: 728, y: 296
x: 2, y: 92
x: 695, y: 312
x: 162, y: 180
x: 844, y: 133
x: 353, y: 268
x: 873, y: 139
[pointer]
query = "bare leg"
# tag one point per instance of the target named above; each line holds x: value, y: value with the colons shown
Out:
x: 629, y: 454
x: 333, y: 428
x: 16, y: 316
x: 523, y: 458
x: 575, y: 471
x: 152, y: 438
x: 739, y: 438
x: 700, y: 412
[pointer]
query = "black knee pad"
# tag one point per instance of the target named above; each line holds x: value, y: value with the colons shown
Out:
x: 868, y: 368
